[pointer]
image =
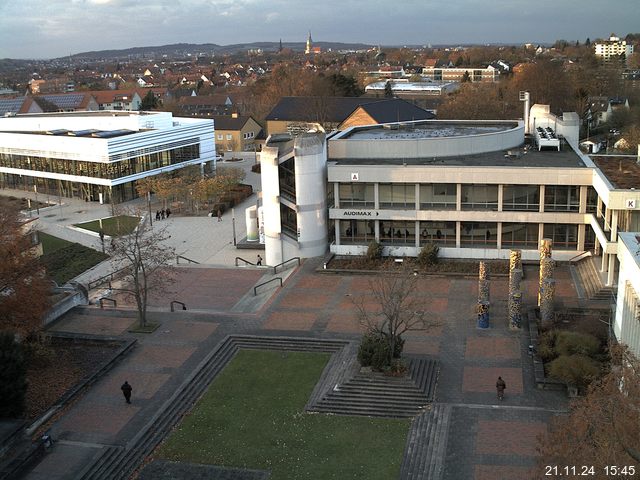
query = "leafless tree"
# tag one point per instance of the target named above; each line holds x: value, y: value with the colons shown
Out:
x: 399, y: 308
x: 145, y: 257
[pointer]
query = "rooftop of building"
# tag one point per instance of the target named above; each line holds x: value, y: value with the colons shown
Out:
x: 524, y: 156
x: 623, y: 172
x: 432, y: 129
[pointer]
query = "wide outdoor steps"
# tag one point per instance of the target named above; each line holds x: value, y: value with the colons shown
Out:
x: 378, y: 395
x: 426, y: 445
x: 591, y: 281
x: 119, y: 462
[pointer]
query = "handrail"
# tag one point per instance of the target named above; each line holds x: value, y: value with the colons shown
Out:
x: 245, y: 261
x: 178, y: 257
x: 105, y: 278
x: 184, y: 306
x: 107, y: 299
x: 283, y: 263
x: 255, y: 289
x: 586, y: 252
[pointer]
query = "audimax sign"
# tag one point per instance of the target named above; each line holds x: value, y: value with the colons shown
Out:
x: 360, y: 213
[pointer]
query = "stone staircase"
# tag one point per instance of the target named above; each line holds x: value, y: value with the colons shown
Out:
x: 377, y: 395
x: 117, y: 462
x: 424, y: 453
x: 592, y: 285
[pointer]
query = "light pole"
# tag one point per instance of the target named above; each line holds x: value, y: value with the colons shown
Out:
x: 149, y: 205
x: 233, y: 225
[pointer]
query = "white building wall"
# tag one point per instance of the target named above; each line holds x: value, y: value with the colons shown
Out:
x: 271, y: 205
x: 627, y: 319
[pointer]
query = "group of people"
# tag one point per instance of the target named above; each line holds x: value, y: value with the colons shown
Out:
x: 162, y: 214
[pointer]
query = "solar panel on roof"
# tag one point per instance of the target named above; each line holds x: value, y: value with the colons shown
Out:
x: 65, y: 101
x: 12, y: 105
x: 111, y: 133
x: 83, y: 133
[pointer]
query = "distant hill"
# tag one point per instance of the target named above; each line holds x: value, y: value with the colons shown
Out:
x: 182, y: 49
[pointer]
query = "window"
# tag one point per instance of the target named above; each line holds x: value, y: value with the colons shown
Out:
x: 398, y: 233
x: 229, y: 136
x: 397, y: 195
x: 478, y: 234
x: 357, y: 232
x: 289, y: 221
x: 592, y: 200
x: 479, y: 197
x: 521, y: 198
x: 440, y: 233
x: 438, y: 196
x: 561, y: 198
x: 565, y: 237
x: 220, y: 136
x: 356, y: 195
x: 520, y: 235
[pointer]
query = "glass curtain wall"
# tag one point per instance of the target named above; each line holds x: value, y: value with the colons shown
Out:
x: 438, y: 196
x: 480, y: 197
x: 356, y: 195
x: 561, y: 198
x: 440, y: 233
x: 564, y: 236
x: 521, y: 198
x: 520, y: 235
x: 359, y: 232
x: 397, y: 196
x: 398, y: 233
x: 478, y: 234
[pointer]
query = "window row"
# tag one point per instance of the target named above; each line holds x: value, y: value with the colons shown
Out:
x: 111, y: 170
x: 443, y: 196
x: 472, y: 234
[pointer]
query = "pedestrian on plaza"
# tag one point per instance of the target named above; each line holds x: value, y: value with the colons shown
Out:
x: 162, y: 214
x: 126, y: 391
x: 500, y: 386
x: 219, y: 215
x: 157, y: 214
x: 259, y: 262
x: 168, y: 212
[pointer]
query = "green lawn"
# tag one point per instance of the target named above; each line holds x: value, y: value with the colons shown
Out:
x: 66, y: 260
x: 252, y: 417
x: 112, y: 226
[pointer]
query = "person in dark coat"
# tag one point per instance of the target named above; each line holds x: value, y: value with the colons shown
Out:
x: 126, y: 391
x: 168, y: 212
x: 500, y: 386
x: 259, y: 262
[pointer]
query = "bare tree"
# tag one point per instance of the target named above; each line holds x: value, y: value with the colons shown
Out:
x: 144, y: 255
x: 399, y: 308
x: 603, y: 427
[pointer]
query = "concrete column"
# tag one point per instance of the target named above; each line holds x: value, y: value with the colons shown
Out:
x: 377, y: 230
x: 336, y: 194
x: 417, y: 230
x: 500, y: 197
x: 581, y: 234
x: 614, y: 225
x: 459, y: 197
x: 458, y: 227
x: 599, y: 208
x: 607, y: 220
x: 583, y: 200
x: 417, y: 195
x: 376, y: 196
x: 603, y: 265
x: 499, y: 234
x: 541, y: 209
x: 612, y: 270
x: 540, y: 232
x: 336, y: 226
x: 596, y: 246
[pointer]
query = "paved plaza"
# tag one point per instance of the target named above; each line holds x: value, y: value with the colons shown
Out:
x: 486, y: 438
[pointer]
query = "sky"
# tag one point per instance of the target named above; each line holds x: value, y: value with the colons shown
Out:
x: 55, y: 28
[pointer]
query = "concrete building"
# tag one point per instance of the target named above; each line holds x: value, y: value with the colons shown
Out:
x: 626, y: 325
x: 99, y: 156
x: 455, y: 74
x: 613, y: 48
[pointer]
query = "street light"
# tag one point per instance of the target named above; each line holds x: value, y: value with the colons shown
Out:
x: 149, y: 205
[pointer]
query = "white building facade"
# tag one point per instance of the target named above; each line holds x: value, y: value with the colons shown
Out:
x: 99, y: 156
x: 613, y: 48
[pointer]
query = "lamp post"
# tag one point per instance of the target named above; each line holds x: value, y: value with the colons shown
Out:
x: 233, y: 225
x: 149, y: 205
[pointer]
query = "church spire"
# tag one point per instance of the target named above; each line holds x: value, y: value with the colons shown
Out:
x: 307, y: 51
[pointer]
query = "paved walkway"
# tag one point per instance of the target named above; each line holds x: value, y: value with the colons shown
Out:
x: 486, y: 438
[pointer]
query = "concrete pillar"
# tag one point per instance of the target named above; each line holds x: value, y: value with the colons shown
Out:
x: 417, y: 195
x: 614, y: 225
x: 540, y: 232
x: 547, y: 293
x: 603, y: 264
x: 251, y: 219
x: 417, y: 236
x: 515, y: 310
x: 612, y: 270
x: 581, y: 235
x: 483, y: 314
x: 499, y: 235
x: 596, y: 246
x: 500, y: 198
x: 583, y: 199
x: 458, y: 227
x: 336, y: 194
x: 607, y: 220
x: 459, y: 197
x: 336, y: 226
x: 541, y: 209
x: 376, y: 196
x: 483, y: 282
x: 377, y: 230
x: 599, y: 207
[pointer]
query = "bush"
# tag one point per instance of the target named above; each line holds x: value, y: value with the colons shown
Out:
x: 578, y: 370
x: 374, y: 251
x: 13, y: 377
x: 374, y: 350
x: 546, y: 345
x: 428, y: 255
x: 576, y: 343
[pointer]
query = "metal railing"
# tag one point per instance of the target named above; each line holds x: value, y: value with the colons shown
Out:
x: 107, y: 278
x: 255, y: 289
x: 171, y: 305
x: 275, y: 267
x: 107, y: 299
x: 178, y: 257
x: 247, y: 262
x: 580, y: 256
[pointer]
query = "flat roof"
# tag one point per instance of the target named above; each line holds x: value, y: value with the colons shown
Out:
x: 566, y: 158
x: 427, y: 129
x: 623, y: 172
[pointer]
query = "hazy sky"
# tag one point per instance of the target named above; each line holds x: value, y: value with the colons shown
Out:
x: 54, y: 28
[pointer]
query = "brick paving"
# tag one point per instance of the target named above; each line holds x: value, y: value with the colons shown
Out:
x: 486, y: 438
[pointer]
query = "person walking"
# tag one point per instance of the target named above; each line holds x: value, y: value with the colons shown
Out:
x: 126, y: 391
x: 500, y: 386
x: 219, y: 215
x: 157, y: 214
x: 168, y: 213
x: 162, y: 213
x: 259, y: 262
